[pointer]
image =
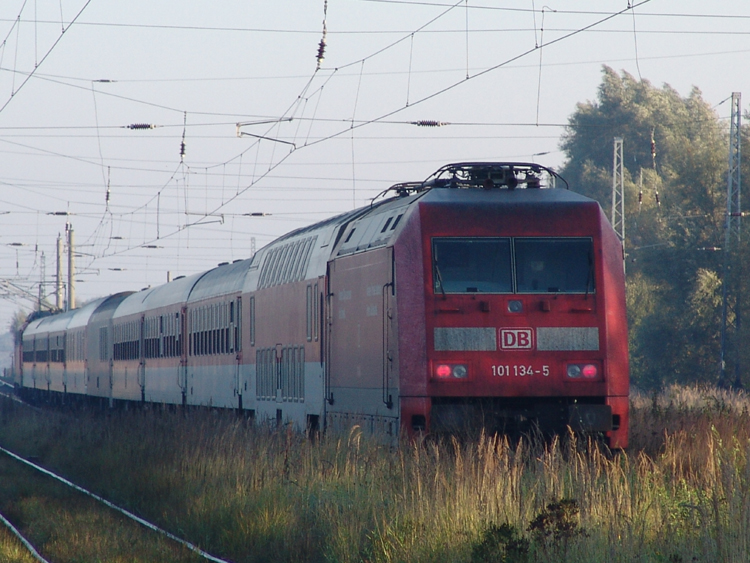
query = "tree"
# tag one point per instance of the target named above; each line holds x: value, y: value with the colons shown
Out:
x: 675, y: 160
x: 16, y: 323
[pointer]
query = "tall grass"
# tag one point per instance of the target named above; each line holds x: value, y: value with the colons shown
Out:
x: 256, y: 493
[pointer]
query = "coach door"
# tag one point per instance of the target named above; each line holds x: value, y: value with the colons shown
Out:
x: 184, y: 350
x: 360, y: 379
x: 235, y: 339
x: 142, y: 362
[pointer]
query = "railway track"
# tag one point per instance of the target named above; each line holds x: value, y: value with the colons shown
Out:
x: 25, y: 542
x: 50, y: 475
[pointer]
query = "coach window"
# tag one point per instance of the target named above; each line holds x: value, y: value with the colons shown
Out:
x: 232, y: 327
x: 471, y: 265
x: 197, y: 332
x: 252, y: 321
x: 213, y: 339
x: 316, y: 313
x: 238, y: 325
x: 212, y: 324
x: 554, y: 265
x: 191, y: 332
x: 278, y: 272
x: 309, y: 316
x: 291, y: 265
x: 225, y: 327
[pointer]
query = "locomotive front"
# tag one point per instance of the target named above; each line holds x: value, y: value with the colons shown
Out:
x: 519, y: 305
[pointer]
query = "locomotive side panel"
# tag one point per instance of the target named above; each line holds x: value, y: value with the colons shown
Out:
x: 616, y: 337
x: 410, y: 313
x: 363, y: 385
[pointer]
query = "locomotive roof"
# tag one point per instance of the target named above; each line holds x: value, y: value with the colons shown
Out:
x: 473, y: 183
x: 504, y: 196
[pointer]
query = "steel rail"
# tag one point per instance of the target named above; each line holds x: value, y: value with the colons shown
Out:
x: 34, y: 553
x: 141, y: 521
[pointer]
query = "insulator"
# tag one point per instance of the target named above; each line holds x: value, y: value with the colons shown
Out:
x: 640, y: 198
x: 657, y: 199
x: 427, y: 123
x: 141, y: 126
x: 182, y: 148
x: 322, y: 49
x: 322, y: 44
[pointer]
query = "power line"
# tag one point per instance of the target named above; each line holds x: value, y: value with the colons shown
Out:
x: 39, y: 63
x: 560, y: 11
x: 311, y: 31
x: 383, y: 117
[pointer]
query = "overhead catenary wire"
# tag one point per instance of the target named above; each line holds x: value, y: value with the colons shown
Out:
x: 388, y: 114
x: 15, y: 90
x: 474, y: 7
x: 59, y: 79
x: 635, y: 43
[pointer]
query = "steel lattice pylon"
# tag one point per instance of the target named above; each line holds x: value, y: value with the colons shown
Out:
x: 618, y: 194
x: 732, y: 238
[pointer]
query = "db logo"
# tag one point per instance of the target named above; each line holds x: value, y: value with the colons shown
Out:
x: 516, y: 338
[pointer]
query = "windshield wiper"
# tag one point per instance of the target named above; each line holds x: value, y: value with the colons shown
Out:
x: 590, y: 277
x: 439, y: 278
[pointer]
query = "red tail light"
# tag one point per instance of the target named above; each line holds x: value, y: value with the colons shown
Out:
x: 583, y: 371
x: 442, y: 371
x: 589, y: 371
x: 451, y: 371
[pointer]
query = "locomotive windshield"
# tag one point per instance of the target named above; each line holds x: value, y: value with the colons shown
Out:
x: 472, y: 265
x: 520, y: 265
x: 554, y: 265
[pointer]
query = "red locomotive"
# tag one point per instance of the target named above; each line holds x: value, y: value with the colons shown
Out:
x: 477, y: 298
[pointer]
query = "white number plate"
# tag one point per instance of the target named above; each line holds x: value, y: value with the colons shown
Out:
x: 519, y: 370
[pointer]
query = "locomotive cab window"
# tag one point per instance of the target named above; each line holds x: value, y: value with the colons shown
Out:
x: 520, y: 265
x: 554, y: 265
x: 471, y: 265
